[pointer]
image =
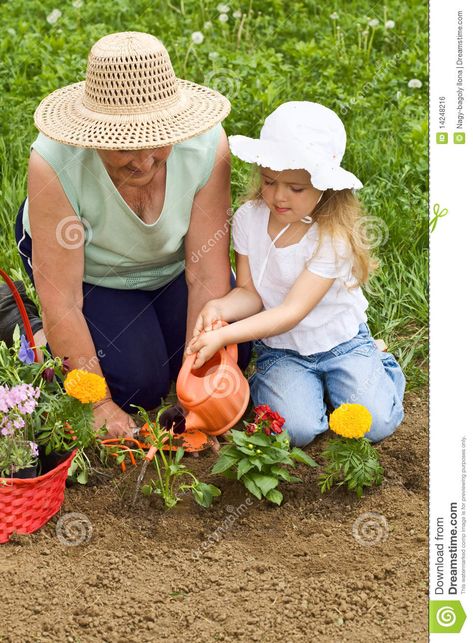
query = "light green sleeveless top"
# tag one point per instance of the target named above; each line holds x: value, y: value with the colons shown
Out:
x: 120, y: 250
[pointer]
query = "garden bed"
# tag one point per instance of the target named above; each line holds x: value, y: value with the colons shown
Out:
x: 294, y: 573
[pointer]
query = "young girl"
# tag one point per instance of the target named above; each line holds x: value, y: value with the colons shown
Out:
x: 301, y: 257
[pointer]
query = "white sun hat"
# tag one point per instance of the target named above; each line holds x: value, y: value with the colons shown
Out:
x: 300, y: 135
x: 130, y: 99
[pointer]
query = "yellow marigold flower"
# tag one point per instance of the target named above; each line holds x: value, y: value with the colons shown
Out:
x: 85, y: 386
x: 351, y: 420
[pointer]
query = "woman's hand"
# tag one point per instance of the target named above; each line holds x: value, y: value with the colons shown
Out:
x: 205, y: 345
x: 118, y: 423
x: 209, y: 317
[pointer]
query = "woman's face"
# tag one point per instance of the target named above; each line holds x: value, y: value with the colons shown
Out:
x: 289, y: 194
x: 134, y: 167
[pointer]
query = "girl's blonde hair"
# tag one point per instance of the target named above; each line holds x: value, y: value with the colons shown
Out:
x: 339, y: 215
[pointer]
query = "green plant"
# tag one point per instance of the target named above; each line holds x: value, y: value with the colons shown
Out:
x: 259, y: 456
x: 351, y: 462
x: 169, y: 484
x: 350, y: 459
x: 61, y: 419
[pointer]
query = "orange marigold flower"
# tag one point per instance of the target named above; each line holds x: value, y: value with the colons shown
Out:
x: 85, y: 386
x: 351, y: 420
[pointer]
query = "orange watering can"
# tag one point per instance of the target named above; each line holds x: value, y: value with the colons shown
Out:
x: 215, y: 395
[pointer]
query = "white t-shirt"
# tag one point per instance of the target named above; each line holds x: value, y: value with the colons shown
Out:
x: 337, y: 317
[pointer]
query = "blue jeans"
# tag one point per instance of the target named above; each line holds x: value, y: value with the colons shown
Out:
x: 296, y: 386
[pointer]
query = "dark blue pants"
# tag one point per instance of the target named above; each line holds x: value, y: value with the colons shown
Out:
x: 139, y: 335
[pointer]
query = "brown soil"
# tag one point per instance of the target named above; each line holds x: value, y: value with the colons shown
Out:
x: 294, y: 573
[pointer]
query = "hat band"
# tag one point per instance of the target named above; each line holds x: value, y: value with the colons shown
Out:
x: 148, y: 108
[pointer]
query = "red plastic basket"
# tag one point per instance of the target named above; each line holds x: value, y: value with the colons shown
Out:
x: 27, y: 504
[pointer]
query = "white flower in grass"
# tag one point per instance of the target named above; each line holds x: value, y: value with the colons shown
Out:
x: 197, y: 37
x: 77, y: 4
x: 207, y: 25
x: 213, y: 55
x: 389, y: 24
x: 11, y: 31
x: 223, y: 8
x: 414, y: 83
x: 223, y: 17
x: 54, y: 16
x: 237, y: 14
x: 373, y: 23
x: 398, y: 95
x: 334, y: 16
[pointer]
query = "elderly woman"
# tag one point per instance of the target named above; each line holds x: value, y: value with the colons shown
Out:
x: 125, y: 229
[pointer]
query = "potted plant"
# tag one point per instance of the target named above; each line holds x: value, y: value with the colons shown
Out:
x: 261, y: 456
x: 18, y: 452
x: 56, y: 414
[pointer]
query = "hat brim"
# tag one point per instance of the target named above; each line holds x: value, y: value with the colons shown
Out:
x: 63, y: 117
x: 275, y: 156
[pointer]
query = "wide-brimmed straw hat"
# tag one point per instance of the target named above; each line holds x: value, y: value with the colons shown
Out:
x: 130, y: 99
x: 300, y: 135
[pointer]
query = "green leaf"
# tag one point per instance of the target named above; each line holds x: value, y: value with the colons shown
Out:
x: 265, y: 483
x: 179, y: 455
x: 16, y: 333
x: 223, y: 463
x: 251, y: 486
x: 259, y: 440
x: 205, y: 493
x: 301, y: 456
x: 274, y: 495
x: 244, y: 466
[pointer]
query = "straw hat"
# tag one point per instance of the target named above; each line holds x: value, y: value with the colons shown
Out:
x: 131, y: 99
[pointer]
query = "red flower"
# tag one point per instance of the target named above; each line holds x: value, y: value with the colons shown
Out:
x: 48, y: 374
x: 267, y: 429
x: 262, y: 412
x: 66, y: 366
x: 251, y: 428
x: 276, y: 427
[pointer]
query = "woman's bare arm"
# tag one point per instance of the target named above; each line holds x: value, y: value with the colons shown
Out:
x: 58, y: 270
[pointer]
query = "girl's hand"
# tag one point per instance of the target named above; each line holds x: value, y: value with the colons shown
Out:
x: 205, y: 345
x: 118, y: 423
x: 209, y: 317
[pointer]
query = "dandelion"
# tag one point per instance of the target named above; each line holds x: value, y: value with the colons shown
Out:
x: 11, y: 31
x: 351, y: 420
x: 197, y: 37
x: 77, y: 4
x: 54, y: 16
x: 223, y: 17
x: 84, y: 386
x: 223, y: 8
x: 373, y: 23
x: 414, y: 83
x: 207, y: 25
x: 213, y: 55
x: 389, y: 24
x: 237, y: 14
x: 334, y: 16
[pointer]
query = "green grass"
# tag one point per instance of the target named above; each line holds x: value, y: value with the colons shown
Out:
x: 277, y: 52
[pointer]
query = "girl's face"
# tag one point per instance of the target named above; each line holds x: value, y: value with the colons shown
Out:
x: 288, y: 194
x: 134, y: 167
